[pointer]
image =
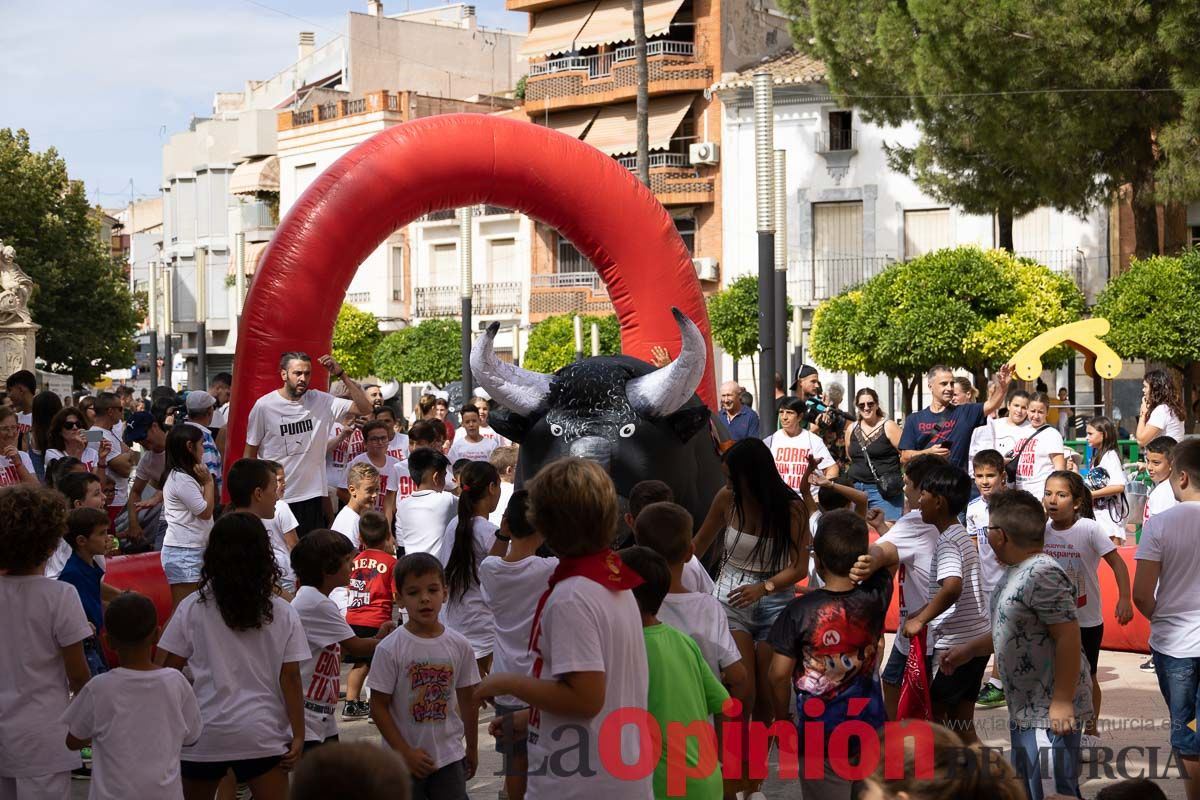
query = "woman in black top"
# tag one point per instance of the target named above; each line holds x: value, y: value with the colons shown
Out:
x: 872, y: 447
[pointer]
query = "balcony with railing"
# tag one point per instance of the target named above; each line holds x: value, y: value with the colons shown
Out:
x: 486, y: 299
x: 837, y: 146
x: 673, y: 179
x: 1070, y: 263
x: 811, y: 282
x: 446, y: 214
x: 610, y: 75
x: 568, y: 292
x: 339, y: 109
x: 258, y: 221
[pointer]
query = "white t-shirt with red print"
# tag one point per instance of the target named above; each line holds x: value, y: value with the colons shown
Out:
x: 9, y: 475
x: 388, y: 476
x: 337, y: 459
x: 1036, y: 462
x: 320, y: 676
x: 791, y: 455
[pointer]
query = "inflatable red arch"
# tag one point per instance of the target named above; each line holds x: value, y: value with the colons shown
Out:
x: 450, y: 161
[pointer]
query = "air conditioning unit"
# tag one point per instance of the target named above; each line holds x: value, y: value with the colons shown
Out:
x: 704, y: 153
x: 706, y: 268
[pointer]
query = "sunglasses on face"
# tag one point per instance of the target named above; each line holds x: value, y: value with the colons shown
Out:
x: 866, y: 406
x: 72, y: 424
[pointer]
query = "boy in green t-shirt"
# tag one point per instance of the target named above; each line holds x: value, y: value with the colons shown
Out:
x: 683, y: 688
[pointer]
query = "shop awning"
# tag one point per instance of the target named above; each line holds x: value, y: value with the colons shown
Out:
x: 251, y: 177
x: 612, y: 21
x: 555, y: 29
x: 615, y: 129
x: 572, y: 123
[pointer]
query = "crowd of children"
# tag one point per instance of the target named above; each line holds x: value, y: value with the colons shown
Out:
x: 448, y: 595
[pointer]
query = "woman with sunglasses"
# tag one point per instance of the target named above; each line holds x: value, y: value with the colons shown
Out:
x: 68, y: 437
x: 872, y: 446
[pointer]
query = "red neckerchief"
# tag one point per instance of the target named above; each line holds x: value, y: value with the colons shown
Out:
x: 605, y: 568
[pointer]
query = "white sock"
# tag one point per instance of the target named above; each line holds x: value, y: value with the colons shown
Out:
x: 994, y: 681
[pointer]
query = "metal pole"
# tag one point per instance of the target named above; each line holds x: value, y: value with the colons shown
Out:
x: 465, y: 290
x: 764, y: 174
x: 239, y: 275
x: 797, y: 339
x: 152, y: 333
x: 781, y: 315
x: 202, y: 317
x: 168, y: 324
x: 578, y: 338
x: 595, y: 339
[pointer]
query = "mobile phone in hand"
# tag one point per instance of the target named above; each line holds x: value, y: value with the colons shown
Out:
x: 95, y: 437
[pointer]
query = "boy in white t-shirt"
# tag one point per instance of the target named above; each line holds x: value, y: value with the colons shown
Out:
x: 138, y: 716
x: 643, y: 493
x: 362, y: 482
x: 472, y: 446
x: 504, y: 459
x: 422, y: 683
x: 1166, y: 592
x: 588, y: 641
x: 254, y: 486
x: 666, y: 528
x: 511, y: 585
x: 987, y: 466
x: 907, y: 548
x: 44, y: 629
x: 1158, y: 464
x: 398, y: 446
x: 422, y: 517
x: 322, y: 563
x: 955, y: 613
x: 377, y: 435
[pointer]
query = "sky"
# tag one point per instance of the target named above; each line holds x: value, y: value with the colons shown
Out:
x: 107, y: 84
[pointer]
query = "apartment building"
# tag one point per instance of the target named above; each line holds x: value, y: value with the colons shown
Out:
x: 582, y: 82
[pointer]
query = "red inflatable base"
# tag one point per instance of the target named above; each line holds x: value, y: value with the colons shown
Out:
x: 1132, y: 638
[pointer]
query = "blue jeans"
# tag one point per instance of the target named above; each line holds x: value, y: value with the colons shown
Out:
x: 891, y: 509
x: 1179, y: 682
x: 1062, y: 757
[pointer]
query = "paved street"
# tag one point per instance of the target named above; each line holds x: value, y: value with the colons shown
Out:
x: 1134, y: 719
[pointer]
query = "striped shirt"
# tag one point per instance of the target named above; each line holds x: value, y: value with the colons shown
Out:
x: 956, y: 556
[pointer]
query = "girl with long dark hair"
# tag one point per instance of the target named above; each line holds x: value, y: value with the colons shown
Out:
x: 468, y: 540
x: 1106, y: 478
x: 45, y: 405
x: 766, y: 537
x: 189, y: 499
x: 1161, y: 413
x: 244, y: 645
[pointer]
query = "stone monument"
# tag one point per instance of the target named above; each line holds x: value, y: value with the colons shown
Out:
x: 17, y: 329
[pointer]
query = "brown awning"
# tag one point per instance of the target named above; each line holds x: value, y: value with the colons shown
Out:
x: 572, y: 123
x: 615, y: 129
x: 254, y: 254
x: 612, y: 21
x: 250, y: 177
x: 554, y: 30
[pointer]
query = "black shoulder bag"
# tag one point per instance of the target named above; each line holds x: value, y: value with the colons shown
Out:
x: 891, y: 485
x: 1010, y: 468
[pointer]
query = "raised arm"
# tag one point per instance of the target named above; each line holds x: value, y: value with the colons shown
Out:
x: 362, y: 403
x: 997, y: 390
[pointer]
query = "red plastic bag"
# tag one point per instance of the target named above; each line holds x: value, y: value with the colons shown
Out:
x: 915, y: 702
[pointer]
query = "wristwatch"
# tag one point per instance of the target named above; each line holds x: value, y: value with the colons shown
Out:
x: 769, y: 586
x: 503, y: 538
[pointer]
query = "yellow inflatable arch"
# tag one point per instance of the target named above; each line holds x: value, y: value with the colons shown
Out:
x: 1084, y: 336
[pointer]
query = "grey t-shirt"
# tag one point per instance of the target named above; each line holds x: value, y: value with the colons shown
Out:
x: 1029, y: 598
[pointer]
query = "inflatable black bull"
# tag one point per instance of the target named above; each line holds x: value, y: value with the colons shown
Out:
x: 637, y: 421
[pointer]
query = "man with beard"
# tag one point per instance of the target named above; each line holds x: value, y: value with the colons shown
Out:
x: 944, y: 429
x: 292, y: 426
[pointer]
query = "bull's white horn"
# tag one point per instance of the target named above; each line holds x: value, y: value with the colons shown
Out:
x: 665, y: 390
x: 519, y: 390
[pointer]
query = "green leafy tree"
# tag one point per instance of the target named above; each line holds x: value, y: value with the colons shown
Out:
x: 81, y: 297
x: 1152, y: 310
x: 356, y: 334
x: 963, y: 307
x: 430, y: 352
x: 552, y: 341
x: 994, y: 90
x: 733, y: 316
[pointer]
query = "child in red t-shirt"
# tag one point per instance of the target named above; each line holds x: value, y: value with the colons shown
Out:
x: 372, y: 598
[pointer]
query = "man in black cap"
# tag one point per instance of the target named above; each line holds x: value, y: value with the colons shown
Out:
x: 143, y: 518
x: 807, y: 384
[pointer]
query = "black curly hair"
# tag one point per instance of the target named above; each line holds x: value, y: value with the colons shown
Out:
x: 239, y: 571
x: 32, y: 523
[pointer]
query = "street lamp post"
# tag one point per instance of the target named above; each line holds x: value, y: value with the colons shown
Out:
x: 202, y: 317
x: 465, y: 289
x: 764, y: 174
x: 781, y: 316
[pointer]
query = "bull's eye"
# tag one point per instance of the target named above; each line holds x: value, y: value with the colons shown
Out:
x: 627, y: 430
x: 556, y: 429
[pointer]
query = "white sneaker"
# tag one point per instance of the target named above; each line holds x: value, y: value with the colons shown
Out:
x: 1087, y: 747
x: 757, y: 796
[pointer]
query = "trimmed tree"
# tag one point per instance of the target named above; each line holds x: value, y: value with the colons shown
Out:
x: 733, y: 317
x: 356, y: 334
x: 426, y: 353
x: 1152, y: 310
x: 962, y: 307
x: 552, y: 341
x: 81, y: 297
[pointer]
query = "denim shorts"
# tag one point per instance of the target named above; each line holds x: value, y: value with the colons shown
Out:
x: 182, y: 564
x: 756, y: 619
x: 891, y: 509
x: 893, y: 670
x: 1179, y: 682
